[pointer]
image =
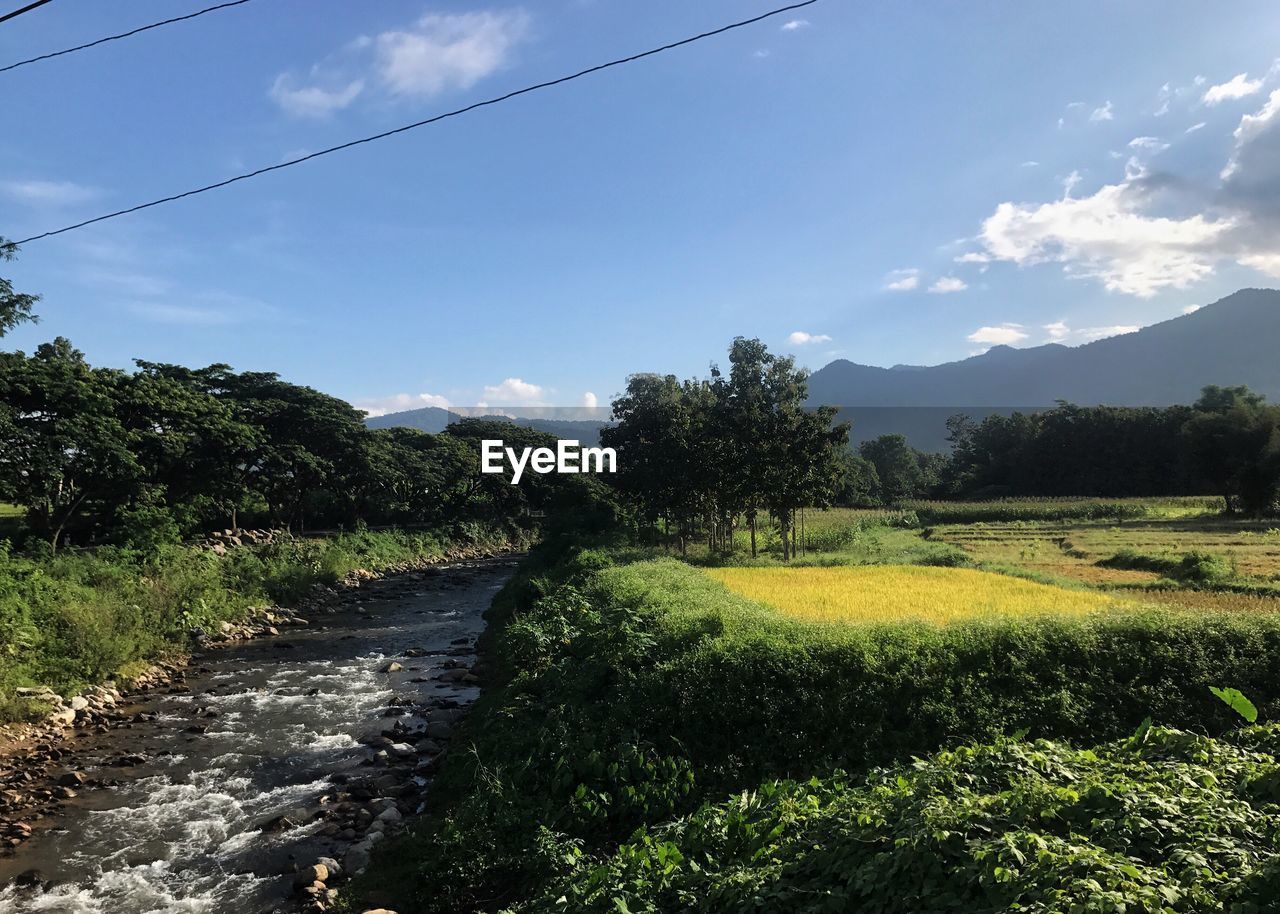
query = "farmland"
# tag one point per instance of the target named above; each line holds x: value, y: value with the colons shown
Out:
x: 874, y: 594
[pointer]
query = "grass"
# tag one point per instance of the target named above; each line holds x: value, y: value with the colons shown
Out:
x: 1087, y: 551
x: 889, y: 593
x: 82, y: 617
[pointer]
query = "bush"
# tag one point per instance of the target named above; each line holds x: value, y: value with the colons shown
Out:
x: 636, y: 692
x: 1172, y: 823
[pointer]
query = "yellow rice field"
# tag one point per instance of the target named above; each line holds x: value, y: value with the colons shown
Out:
x: 892, y: 593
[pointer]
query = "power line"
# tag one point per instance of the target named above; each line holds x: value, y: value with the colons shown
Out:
x: 431, y: 120
x: 26, y: 9
x: 131, y: 32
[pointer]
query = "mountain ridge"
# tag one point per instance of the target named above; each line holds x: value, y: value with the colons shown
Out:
x: 1232, y: 341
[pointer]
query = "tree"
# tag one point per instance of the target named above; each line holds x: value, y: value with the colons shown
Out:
x: 1234, y: 444
x: 65, y: 453
x: 897, y: 467
x: 15, y: 307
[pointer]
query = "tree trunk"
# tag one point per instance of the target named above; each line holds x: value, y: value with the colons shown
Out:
x: 751, y: 519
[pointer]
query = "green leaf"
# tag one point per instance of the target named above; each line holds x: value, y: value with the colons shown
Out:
x: 1236, y: 701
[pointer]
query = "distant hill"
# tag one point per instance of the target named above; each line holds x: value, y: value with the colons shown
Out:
x: 1233, y: 341
x: 433, y: 419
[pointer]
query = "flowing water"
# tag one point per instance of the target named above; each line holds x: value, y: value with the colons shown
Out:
x: 187, y: 829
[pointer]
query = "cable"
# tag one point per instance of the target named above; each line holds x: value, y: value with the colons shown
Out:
x: 430, y: 120
x: 144, y: 28
x: 26, y: 9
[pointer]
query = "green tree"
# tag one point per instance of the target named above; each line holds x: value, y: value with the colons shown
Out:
x: 65, y: 454
x: 897, y: 467
x: 15, y: 307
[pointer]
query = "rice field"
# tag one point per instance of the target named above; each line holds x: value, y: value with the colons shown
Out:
x: 1073, y: 550
x: 895, y: 593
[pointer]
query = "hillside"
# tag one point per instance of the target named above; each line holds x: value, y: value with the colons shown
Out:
x: 1232, y: 341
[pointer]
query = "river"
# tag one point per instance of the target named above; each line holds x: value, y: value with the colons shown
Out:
x: 259, y: 730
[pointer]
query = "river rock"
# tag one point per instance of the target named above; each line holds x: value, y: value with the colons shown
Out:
x: 392, y: 667
x: 79, y: 703
x: 306, y: 876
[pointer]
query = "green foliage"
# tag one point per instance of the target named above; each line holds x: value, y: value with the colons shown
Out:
x: 634, y: 692
x: 1006, y: 510
x: 15, y: 307
x: 77, y: 618
x: 1236, y: 701
x: 1195, y: 567
x: 1172, y: 824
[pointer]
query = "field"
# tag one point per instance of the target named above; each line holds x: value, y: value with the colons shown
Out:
x: 888, y: 593
x: 1087, y: 551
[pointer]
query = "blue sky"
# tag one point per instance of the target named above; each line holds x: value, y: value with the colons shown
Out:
x: 881, y: 181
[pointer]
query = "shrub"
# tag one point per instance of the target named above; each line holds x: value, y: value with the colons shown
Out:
x: 636, y: 692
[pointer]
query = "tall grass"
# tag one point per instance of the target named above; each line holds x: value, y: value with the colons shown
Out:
x: 78, y: 618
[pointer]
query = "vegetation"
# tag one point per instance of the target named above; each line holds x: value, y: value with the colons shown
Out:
x: 699, y: 454
x: 1171, y: 822
x: 711, y: 694
x: 888, y: 593
x: 81, y: 617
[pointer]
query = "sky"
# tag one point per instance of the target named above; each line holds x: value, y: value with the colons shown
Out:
x: 882, y: 181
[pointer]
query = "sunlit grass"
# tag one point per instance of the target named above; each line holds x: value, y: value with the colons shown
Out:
x: 891, y: 593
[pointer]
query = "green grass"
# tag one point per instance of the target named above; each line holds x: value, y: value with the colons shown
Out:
x: 80, y: 617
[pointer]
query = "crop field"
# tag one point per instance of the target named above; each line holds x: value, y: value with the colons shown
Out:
x: 1080, y: 550
x: 895, y: 593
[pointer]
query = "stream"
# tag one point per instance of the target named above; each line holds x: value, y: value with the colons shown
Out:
x: 218, y: 789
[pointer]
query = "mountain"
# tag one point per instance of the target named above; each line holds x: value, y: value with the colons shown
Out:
x: 1233, y: 341
x: 433, y: 419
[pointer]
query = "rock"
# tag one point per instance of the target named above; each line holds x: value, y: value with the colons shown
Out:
x: 390, y: 815
x: 71, y: 779
x: 379, y: 911
x: 402, y: 750
x: 356, y: 858
x: 306, y: 876
x: 331, y: 865
x: 64, y: 717
x: 392, y: 667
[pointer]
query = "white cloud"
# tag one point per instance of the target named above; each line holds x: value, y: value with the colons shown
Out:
x: 1191, y: 309
x: 1149, y: 144
x: 1003, y: 335
x: 800, y: 338
x: 761, y: 54
x: 398, y: 403
x: 589, y: 400
x: 1109, y: 237
x: 1239, y: 86
x: 1194, y: 127
x: 1058, y: 331
x: 1102, y: 114
x: 902, y: 280
x: 1091, y: 334
x: 795, y: 25
x: 1252, y: 127
x: 48, y: 193
x: 974, y: 257
x: 437, y: 53
x: 948, y: 284
x: 1030, y: 163
x: 515, y: 392
x: 447, y: 51
x: 312, y: 101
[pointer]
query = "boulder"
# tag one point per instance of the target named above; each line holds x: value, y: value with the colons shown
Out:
x: 391, y: 667
x: 308, y: 875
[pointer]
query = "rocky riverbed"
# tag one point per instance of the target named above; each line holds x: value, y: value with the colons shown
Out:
x: 260, y: 776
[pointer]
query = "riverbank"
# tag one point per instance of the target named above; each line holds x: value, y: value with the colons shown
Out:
x: 76, y: 620
x: 290, y: 755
